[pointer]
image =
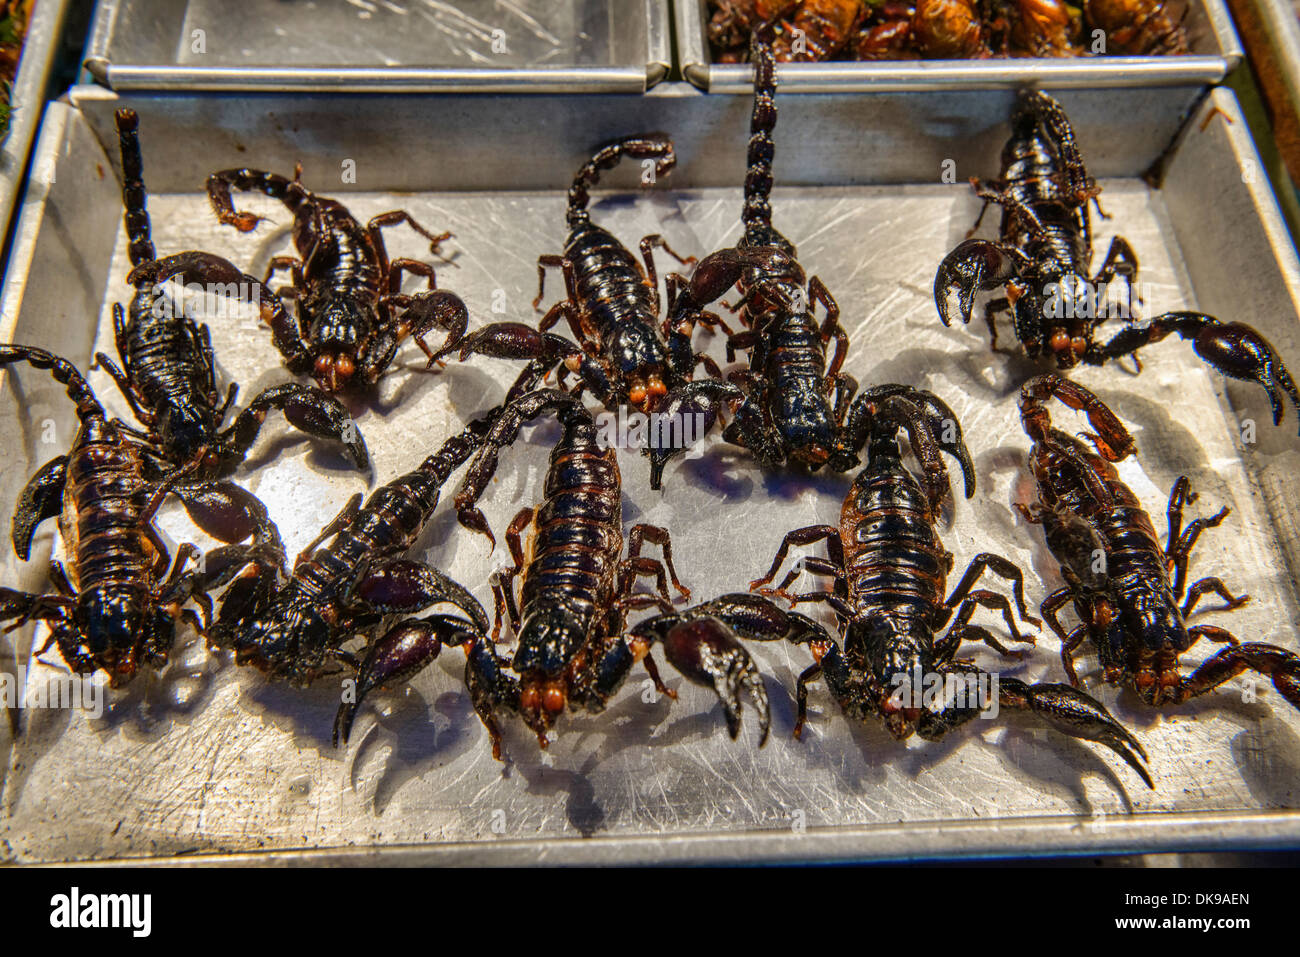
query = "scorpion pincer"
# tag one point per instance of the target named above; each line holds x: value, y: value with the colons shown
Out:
x: 1042, y: 263
x: 168, y: 375
x: 115, y: 606
x: 1128, y: 606
x: 351, y: 312
x: 612, y: 306
x: 571, y: 651
x: 889, y: 571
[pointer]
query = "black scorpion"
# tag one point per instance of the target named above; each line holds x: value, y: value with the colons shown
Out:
x: 889, y: 571
x: 1128, y: 606
x: 576, y: 593
x: 1042, y: 263
x: 352, y: 314
x: 611, y: 304
x: 115, y: 606
x: 168, y: 374
x: 789, y: 405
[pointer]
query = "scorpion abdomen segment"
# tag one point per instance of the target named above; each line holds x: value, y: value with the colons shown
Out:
x: 892, y: 556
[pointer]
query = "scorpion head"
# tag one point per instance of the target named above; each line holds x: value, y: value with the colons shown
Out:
x: 640, y: 359
x: 548, y: 641
x: 899, y: 652
x: 809, y: 433
x: 1143, y: 643
x: 285, y: 640
x: 339, y: 327
x: 185, y: 428
x: 112, y: 626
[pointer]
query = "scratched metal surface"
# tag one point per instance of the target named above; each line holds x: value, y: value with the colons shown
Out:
x: 209, y: 758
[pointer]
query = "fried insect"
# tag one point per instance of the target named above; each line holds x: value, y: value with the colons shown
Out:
x: 351, y: 312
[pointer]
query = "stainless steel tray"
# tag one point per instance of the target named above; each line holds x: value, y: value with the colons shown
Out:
x: 27, y: 100
x: 209, y: 762
x: 1215, y: 53
x: 398, y: 45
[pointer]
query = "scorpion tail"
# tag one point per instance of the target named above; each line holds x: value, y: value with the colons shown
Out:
x: 64, y: 372
x: 757, y: 212
x: 133, y: 192
x: 1037, y: 107
x: 655, y: 147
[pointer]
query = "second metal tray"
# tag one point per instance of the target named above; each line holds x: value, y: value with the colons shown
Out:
x: 1215, y: 53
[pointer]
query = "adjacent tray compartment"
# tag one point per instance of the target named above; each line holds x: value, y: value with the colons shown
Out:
x: 569, y: 46
x: 208, y: 760
x: 1215, y: 53
x: 27, y: 101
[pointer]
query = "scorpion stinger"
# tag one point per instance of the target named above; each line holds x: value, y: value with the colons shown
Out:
x: 1128, y: 606
x: 168, y: 373
x: 1042, y: 264
x: 789, y: 405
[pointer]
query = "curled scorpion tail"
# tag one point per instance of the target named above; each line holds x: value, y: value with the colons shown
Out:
x: 647, y: 146
x: 1042, y: 108
x: 757, y: 212
x: 65, y: 372
x: 136, y: 216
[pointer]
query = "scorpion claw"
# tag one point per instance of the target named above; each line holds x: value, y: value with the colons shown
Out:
x: 707, y: 653
x: 975, y: 265
x: 1079, y: 715
x: 404, y: 651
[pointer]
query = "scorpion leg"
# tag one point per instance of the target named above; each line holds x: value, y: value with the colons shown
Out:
x: 1121, y: 261
x: 1233, y: 348
x: 1181, y: 541
x: 394, y: 218
x: 648, y: 245
x: 999, y: 566
x: 503, y: 587
x: 1050, y: 608
x: 1278, y: 664
x: 1219, y: 588
x: 1066, y: 709
x: 988, y: 599
x: 800, y: 537
x: 975, y: 265
x: 41, y: 498
x: 404, y: 651
x: 656, y: 536
x: 308, y: 408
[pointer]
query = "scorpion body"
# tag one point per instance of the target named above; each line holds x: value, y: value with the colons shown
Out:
x: 115, y: 604
x: 576, y: 592
x: 1042, y: 262
x: 611, y: 304
x: 352, y: 314
x: 1127, y: 603
x: 890, y: 570
x: 791, y: 405
x: 168, y: 374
